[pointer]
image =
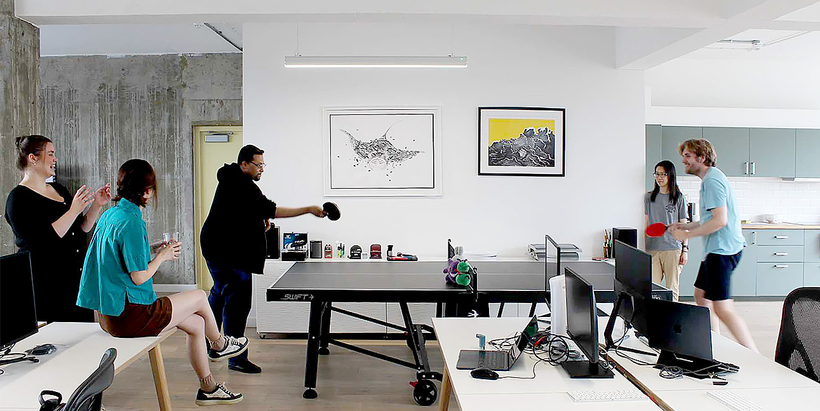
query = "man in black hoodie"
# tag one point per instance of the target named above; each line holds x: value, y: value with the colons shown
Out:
x: 233, y: 242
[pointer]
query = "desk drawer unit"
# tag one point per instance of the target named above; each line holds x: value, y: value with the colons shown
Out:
x: 778, y: 279
x: 779, y: 237
x: 778, y: 253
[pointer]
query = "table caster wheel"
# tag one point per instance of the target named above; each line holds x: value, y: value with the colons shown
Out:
x: 425, y: 392
x: 324, y: 351
x: 310, y: 394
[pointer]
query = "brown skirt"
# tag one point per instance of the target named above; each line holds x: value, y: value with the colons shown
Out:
x: 138, y: 320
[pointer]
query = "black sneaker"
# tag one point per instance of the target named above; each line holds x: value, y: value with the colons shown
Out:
x: 233, y: 347
x: 244, y: 366
x: 220, y: 395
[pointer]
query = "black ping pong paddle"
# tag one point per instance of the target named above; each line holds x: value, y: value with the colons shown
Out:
x: 332, y: 211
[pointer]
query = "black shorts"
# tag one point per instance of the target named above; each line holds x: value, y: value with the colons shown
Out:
x: 715, y: 274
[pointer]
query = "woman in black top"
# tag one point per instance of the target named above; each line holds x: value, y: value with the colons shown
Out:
x: 50, y: 224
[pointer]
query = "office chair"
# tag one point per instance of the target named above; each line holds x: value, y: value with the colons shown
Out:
x: 88, y: 396
x: 798, y: 345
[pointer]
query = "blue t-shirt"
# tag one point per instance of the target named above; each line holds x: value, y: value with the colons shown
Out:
x: 119, y: 246
x: 715, y: 192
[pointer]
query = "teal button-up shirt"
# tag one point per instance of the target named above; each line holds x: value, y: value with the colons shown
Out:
x: 119, y: 246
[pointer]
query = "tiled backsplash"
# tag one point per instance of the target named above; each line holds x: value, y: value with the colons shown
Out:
x: 793, y: 202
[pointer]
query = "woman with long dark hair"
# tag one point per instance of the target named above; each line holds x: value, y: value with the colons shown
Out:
x: 118, y: 282
x: 666, y: 204
x: 52, y: 225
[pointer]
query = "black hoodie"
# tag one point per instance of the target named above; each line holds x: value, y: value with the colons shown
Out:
x: 233, y: 235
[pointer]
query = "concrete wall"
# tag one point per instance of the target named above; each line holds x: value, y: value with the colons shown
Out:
x: 103, y: 111
x: 20, y: 109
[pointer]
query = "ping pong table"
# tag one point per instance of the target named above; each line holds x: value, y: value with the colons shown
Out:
x: 323, y: 283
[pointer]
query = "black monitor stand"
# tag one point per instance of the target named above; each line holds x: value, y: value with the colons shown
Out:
x: 586, y: 369
x: 610, y: 326
x: 699, y: 367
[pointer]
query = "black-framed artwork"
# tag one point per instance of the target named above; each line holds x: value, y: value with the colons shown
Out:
x: 521, y: 141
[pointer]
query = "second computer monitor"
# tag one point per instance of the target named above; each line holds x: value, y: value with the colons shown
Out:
x: 582, y: 327
x: 633, y: 281
x: 18, y: 318
x: 552, y: 260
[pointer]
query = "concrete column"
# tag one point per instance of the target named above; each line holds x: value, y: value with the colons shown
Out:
x: 20, y: 107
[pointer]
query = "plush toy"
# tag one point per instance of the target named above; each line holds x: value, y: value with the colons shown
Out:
x: 458, y: 271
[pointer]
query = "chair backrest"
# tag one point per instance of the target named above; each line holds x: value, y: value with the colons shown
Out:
x: 88, y: 396
x: 798, y: 345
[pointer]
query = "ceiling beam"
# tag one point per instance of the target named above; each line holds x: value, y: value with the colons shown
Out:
x: 637, y: 53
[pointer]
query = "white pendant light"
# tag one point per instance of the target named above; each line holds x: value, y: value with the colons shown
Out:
x: 375, y: 61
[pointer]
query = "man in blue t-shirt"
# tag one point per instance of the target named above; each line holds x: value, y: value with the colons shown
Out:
x: 724, y: 243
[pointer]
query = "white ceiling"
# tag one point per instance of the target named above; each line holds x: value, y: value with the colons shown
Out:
x: 648, y: 32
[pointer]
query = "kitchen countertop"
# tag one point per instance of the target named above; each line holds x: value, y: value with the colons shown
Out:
x: 779, y: 226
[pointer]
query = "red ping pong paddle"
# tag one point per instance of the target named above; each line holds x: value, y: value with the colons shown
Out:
x: 656, y: 230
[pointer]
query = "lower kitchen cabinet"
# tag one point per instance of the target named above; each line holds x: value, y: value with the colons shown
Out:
x: 778, y: 279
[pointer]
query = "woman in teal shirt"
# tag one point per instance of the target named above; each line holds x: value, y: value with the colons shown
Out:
x: 117, y: 281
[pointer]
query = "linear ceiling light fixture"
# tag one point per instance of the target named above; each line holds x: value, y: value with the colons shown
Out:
x: 376, y: 62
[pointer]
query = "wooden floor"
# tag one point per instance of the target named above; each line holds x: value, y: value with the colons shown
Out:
x: 347, y: 381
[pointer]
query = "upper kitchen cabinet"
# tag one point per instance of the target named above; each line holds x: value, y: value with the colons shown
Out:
x: 732, y: 147
x: 807, y: 153
x: 771, y: 152
x: 671, y: 138
x: 653, y: 152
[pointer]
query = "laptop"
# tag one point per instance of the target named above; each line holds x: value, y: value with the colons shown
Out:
x: 498, y: 360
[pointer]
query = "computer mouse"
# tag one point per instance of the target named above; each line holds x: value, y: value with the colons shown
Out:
x: 43, y: 349
x: 484, y: 374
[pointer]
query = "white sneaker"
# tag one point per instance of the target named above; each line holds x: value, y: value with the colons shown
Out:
x: 220, y: 395
x: 233, y: 347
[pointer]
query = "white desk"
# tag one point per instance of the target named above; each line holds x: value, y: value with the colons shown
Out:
x: 551, y: 383
x: 80, y: 347
x: 760, y: 380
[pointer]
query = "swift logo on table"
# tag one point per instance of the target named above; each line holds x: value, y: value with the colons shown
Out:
x: 297, y: 297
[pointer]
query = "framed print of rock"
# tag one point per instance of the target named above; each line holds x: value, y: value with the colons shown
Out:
x: 521, y: 141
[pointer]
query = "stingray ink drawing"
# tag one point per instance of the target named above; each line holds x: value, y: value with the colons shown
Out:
x: 382, y: 152
x: 379, y: 153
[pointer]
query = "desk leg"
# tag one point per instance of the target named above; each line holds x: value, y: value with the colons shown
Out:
x: 312, y: 356
x: 446, y: 389
x: 160, y: 382
x: 325, y: 335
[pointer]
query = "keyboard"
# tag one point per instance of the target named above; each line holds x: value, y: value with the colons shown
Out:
x: 629, y: 394
x: 494, y: 360
x: 734, y: 401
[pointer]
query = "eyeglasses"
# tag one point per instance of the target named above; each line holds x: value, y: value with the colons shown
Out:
x: 260, y: 165
x: 661, y: 174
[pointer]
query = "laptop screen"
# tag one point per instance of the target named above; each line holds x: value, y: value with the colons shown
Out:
x: 524, y: 339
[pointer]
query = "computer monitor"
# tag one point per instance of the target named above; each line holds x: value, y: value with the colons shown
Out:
x: 582, y: 327
x: 683, y: 333
x: 633, y: 288
x: 552, y: 260
x: 18, y: 318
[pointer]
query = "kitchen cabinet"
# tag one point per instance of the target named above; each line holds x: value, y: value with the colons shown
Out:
x: 732, y: 147
x: 671, y: 138
x: 807, y: 150
x: 653, y: 153
x: 690, y: 270
x: 744, y: 278
x: 811, y: 258
x: 771, y: 152
x: 743, y: 151
x: 778, y: 279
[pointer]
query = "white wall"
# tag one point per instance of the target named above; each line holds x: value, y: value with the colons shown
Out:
x: 570, y: 67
